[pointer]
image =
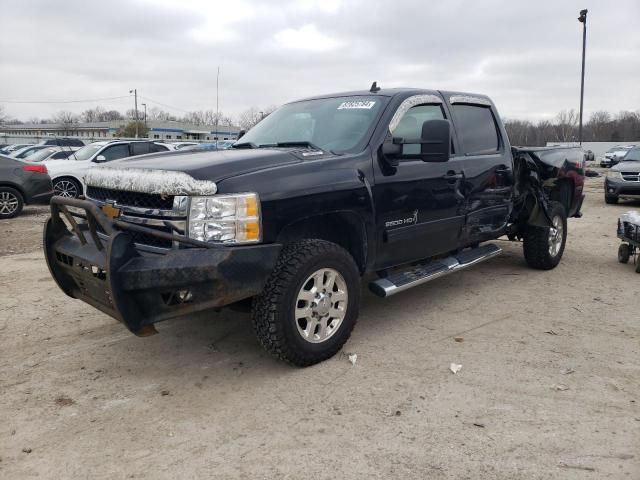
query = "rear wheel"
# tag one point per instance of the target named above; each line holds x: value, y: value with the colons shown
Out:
x: 610, y: 200
x: 544, y: 246
x: 11, y: 202
x: 624, y: 253
x: 67, y: 187
x: 309, y: 306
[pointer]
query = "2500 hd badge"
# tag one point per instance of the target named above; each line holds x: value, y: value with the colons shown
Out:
x: 312, y: 198
x: 404, y: 221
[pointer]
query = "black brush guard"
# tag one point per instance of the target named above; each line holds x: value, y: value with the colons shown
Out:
x: 95, y: 260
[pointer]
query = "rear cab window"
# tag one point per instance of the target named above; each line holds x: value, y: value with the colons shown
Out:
x: 476, y: 128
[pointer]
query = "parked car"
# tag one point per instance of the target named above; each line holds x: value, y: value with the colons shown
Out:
x: 225, y: 144
x: 407, y: 184
x: 589, y: 156
x: 181, y: 145
x: 67, y: 175
x: 52, y: 153
x: 623, y: 180
x: 22, y: 183
x: 11, y: 148
x: 63, y: 142
x: 26, y: 151
x: 613, y: 155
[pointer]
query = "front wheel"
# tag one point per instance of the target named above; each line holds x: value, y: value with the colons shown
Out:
x: 610, y: 200
x: 544, y: 246
x: 309, y: 306
x: 624, y: 253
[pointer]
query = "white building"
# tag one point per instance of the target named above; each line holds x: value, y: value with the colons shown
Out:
x: 89, y: 132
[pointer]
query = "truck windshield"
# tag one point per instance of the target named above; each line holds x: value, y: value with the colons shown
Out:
x: 331, y: 124
x: 632, y: 156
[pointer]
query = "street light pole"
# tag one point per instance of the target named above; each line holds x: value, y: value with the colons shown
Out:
x: 135, y: 94
x: 145, y: 114
x: 217, y: 103
x: 582, y: 19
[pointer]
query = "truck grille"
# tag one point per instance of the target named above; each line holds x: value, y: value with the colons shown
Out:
x: 133, y: 199
x: 631, y: 176
x: 149, y: 210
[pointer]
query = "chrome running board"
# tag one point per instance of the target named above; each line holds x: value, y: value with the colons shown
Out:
x: 417, y: 275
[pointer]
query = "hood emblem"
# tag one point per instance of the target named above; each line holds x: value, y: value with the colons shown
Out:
x: 111, y: 211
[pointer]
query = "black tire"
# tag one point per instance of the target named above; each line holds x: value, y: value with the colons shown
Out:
x: 624, y: 253
x: 273, y: 314
x: 537, y: 241
x: 67, y: 187
x: 637, y: 264
x: 11, y: 202
x: 610, y: 200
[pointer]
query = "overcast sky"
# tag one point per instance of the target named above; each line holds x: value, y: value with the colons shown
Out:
x: 524, y: 54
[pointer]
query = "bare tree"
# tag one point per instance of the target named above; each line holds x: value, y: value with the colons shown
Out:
x: 65, y: 119
x: 3, y: 115
x: 156, y: 113
x: 253, y: 115
x: 565, y: 124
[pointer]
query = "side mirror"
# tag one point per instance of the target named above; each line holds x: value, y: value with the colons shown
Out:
x: 241, y: 134
x: 100, y: 159
x: 435, y: 144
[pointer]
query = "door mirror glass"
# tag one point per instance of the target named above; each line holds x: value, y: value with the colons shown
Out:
x: 435, y: 142
x: 100, y: 159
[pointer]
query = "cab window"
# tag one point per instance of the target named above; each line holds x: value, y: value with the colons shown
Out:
x: 410, y: 126
x: 477, y: 129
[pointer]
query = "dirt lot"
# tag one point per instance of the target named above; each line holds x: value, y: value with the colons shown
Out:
x: 549, y: 388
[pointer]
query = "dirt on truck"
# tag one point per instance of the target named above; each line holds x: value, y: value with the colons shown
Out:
x: 401, y: 185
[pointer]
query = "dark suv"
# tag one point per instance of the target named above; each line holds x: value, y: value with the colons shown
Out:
x: 63, y: 142
x: 623, y: 180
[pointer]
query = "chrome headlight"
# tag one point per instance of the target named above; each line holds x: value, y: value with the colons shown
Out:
x: 225, y: 218
x: 614, y: 175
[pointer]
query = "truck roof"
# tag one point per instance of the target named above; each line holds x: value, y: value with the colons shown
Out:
x: 392, y: 92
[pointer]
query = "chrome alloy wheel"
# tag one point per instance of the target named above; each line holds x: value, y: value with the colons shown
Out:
x: 8, y: 203
x: 556, y: 233
x: 65, y: 188
x: 321, y: 305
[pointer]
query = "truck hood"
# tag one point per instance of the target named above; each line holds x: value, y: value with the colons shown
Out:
x: 627, y: 167
x: 212, y: 165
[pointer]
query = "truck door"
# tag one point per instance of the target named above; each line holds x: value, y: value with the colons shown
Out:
x: 484, y: 158
x: 418, y: 204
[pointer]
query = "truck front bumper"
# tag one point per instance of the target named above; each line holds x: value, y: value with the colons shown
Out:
x: 95, y: 260
x: 621, y: 189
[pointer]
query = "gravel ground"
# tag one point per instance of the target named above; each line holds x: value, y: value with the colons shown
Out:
x: 549, y: 385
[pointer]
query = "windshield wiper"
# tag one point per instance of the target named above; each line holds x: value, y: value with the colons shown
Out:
x: 302, y: 143
x: 245, y: 145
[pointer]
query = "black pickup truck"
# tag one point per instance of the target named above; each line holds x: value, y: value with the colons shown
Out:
x: 404, y: 185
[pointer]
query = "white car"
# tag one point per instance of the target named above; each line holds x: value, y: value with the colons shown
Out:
x: 67, y: 176
x: 614, y: 155
x: 183, y: 145
x: 52, y: 153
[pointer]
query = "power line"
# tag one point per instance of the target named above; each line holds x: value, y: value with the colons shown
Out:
x: 65, y: 101
x: 164, y: 104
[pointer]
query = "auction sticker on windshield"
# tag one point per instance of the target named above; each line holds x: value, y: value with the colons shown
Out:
x: 367, y: 105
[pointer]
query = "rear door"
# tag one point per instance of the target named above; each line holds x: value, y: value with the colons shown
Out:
x: 484, y: 157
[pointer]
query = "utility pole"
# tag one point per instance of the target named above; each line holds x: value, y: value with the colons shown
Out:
x: 135, y: 94
x: 145, y: 114
x: 217, y: 102
x: 582, y: 19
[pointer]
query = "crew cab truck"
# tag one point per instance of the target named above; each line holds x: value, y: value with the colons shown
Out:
x: 405, y: 184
